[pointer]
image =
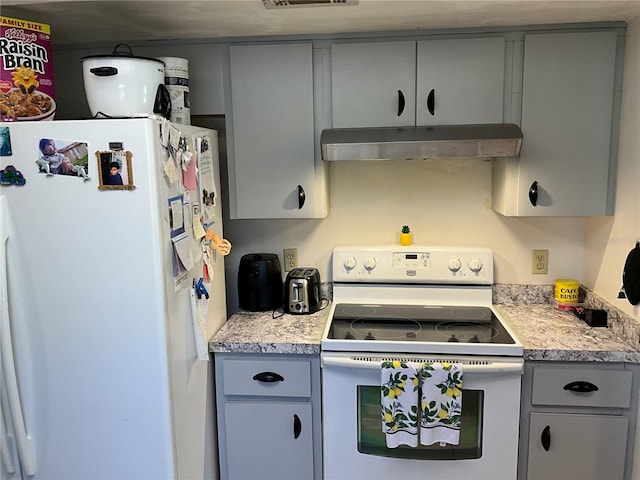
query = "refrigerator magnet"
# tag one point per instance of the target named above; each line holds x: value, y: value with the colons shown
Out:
x: 63, y: 157
x: 114, y: 169
x: 5, y: 142
x: 10, y: 176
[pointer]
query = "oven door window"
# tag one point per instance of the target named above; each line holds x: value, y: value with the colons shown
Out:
x: 372, y: 441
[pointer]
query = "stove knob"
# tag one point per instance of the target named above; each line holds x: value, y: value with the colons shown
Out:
x: 475, y: 265
x: 350, y: 263
x: 455, y: 264
x: 370, y: 263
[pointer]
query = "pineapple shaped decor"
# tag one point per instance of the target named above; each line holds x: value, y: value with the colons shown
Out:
x: 405, y: 235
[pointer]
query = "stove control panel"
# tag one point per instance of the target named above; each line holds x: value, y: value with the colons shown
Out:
x: 417, y: 260
x: 414, y: 264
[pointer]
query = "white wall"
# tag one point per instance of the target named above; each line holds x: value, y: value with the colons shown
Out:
x: 444, y: 202
x: 609, y: 240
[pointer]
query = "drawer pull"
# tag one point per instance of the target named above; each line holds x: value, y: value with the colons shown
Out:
x: 297, y: 426
x: 268, y: 377
x: 545, y: 438
x: 581, y: 387
x: 301, y: 197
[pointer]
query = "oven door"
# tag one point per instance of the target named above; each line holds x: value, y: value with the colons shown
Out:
x: 354, y: 445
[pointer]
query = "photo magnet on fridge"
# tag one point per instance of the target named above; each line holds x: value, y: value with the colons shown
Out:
x: 114, y: 170
x: 63, y: 157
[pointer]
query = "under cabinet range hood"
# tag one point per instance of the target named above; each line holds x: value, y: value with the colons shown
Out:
x: 443, y: 141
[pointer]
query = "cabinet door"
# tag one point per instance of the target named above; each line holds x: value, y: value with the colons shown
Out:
x: 269, y: 440
x: 271, y: 159
x: 371, y: 82
x: 460, y: 81
x: 567, y: 102
x: 576, y: 447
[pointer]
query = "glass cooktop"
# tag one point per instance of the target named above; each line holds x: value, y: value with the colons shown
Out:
x: 417, y: 323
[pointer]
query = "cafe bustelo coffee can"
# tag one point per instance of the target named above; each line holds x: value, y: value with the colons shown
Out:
x: 567, y: 290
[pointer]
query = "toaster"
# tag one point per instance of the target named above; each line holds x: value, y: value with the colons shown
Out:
x: 302, y: 291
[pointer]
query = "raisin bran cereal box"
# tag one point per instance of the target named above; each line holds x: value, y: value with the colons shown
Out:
x: 26, y: 73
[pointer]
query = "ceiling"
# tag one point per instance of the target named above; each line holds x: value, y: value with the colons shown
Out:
x: 96, y: 21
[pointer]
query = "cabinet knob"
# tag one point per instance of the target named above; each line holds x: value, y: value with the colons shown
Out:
x: 301, y: 197
x: 297, y: 426
x: 533, y: 194
x: 545, y: 438
x: 268, y: 377
x: 431, y: 102
x: 581, y: 387
x: 400, y: 102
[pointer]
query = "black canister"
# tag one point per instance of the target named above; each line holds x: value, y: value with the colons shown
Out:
x: 259, y: 282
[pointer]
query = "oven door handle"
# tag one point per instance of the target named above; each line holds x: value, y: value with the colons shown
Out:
x: 492, y: 367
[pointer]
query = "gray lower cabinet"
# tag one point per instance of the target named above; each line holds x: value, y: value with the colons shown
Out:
x: 578, y: 421
x: 269, y: 439
x: 268, y: 410
x: 576, y: 447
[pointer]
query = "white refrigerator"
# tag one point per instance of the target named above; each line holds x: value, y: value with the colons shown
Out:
x: 104, y: 364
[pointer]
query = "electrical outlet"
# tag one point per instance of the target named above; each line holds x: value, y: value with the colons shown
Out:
x: 290, y: 259
x: 540, y: 261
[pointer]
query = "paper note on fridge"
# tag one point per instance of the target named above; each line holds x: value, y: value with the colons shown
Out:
x: 199, y: 313
x: 182, y: 248
x: 176, y: 216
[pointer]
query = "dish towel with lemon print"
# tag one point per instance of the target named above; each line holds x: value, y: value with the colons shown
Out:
x: 399, y: 394
x: 438, y: 410
x: 440, y: 403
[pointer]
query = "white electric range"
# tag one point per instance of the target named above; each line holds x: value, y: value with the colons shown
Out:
x: 418, y: 304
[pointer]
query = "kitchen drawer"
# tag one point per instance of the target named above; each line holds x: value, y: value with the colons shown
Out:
x: 286, y: 378
x: 551, y: 386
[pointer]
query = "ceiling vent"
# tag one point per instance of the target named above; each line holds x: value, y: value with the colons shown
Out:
x: 271, y: 4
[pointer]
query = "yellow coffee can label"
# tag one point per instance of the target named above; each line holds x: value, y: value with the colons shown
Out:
x: 567, y: 290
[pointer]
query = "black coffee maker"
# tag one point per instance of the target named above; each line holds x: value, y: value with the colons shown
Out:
x: 259, y: 282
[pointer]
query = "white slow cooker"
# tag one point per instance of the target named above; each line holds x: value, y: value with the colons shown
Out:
x: 124, y: 85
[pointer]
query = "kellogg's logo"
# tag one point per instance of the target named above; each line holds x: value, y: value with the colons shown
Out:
x: 21, y: 35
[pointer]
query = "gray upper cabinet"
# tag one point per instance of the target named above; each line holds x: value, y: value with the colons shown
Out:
x: 444, y: 82
x: 568, y: 109
x: 273, y: 172
x: 460, y: 81
x: 373, y: 84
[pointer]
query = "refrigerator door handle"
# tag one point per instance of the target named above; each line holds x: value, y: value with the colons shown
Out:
x: 25, y: 446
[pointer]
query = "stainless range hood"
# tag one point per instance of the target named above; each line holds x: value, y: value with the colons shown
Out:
x: 444, y: 141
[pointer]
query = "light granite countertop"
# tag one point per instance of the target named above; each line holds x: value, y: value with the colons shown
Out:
x: 545, y: 332
x: 259, y: 332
